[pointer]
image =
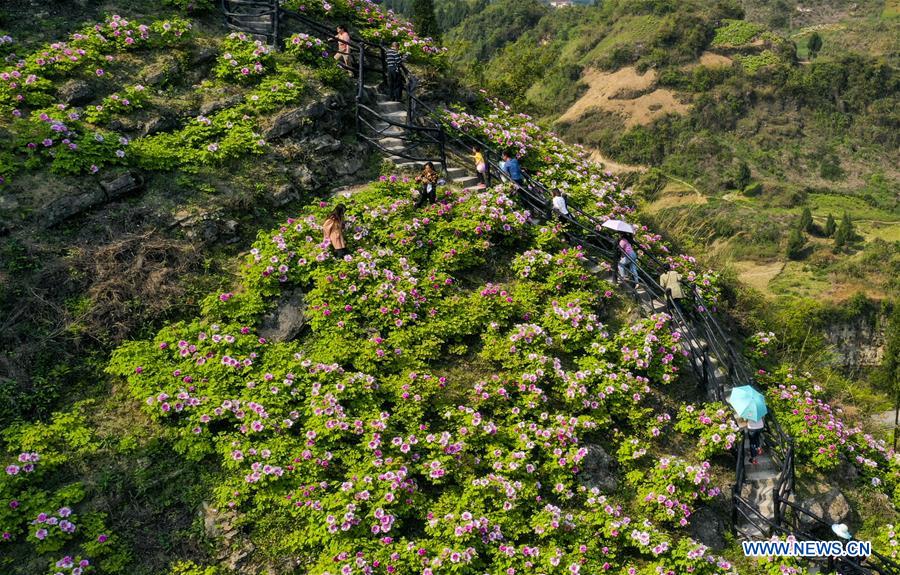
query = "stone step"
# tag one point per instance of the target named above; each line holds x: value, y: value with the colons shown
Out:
x: 762, y: 476
x: 397, y: 116
x: 465, y: 182
x: 404, y: 164
x: 456, y: 172
x: 388, y: 107
x: 386, y: 130
x: 391, y: 142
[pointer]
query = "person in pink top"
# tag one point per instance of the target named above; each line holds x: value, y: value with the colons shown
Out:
x: 629, y: 258
x: 343, y: 47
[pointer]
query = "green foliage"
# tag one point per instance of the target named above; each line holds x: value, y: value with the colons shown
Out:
x: 845, y: 233
x: 191, y: 568
x: 830, y: 226
x: 740, y: 175
x: 805, y: 223
x: 479, y: 36
x: 795, y: 244
x: 735, y: 33
x: 753, y: 63
x: 191, y: 5
x: 225, y: 136
x: 753, y: 189
x: 888, y: 375
x: 814, y: 44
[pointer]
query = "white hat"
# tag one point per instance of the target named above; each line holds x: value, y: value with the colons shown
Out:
x: 842, y: 531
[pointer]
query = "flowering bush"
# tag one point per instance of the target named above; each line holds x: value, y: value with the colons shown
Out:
x: 132, y: 98
x: 557, y: 165
x: 48, y: 518
x: 669, y: 491
x: 58, y: 137
x: 62, y: 136
x: 714, y: 425
x: 358, y: 446
x: 306, y: 48
x: 27, y: 83
x: 375, y: 24
x: 223, y: 136
x: 243, y: 59
x: 822, y: 437
x: 761, y: 346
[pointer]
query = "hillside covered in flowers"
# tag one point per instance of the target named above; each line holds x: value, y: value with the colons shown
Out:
x: 464, y: 392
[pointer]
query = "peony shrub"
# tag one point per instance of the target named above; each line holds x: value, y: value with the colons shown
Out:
x: 363, y: 448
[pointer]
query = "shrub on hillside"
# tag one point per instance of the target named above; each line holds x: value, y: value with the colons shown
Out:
x: 736, y: 33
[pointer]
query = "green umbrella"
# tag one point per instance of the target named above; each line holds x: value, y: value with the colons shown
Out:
x: 748, y: 403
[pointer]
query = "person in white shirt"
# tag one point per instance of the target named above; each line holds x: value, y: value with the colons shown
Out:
x: 754, y: 430
x: 560, y: 209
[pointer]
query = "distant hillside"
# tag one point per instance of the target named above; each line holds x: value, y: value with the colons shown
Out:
x: 743, y: 123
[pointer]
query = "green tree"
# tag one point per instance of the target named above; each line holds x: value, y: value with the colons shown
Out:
x: 795, y: 244
x: 424, y: 19
x: 740, y: 174
x: 814, y: 44
x: 844, y: 234
x: 806, y: 221
x: 830, y: 226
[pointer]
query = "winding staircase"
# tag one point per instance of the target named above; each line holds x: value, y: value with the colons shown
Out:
x: 408, y: 134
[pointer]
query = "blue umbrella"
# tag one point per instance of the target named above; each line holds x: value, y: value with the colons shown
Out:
x: 748, y: 403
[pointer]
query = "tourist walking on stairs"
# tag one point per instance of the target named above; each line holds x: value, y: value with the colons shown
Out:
x: 342, y: 55
x: 480, y: 166
x: 429, y: 180
x: 333, y: 228
x: 628, y: 259
x: 753, y: 430
x: 512, y: 169
x: 393, y: 59
x: 670, y: 281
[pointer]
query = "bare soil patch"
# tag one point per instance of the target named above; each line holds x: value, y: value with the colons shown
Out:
x: 710, y: 60
x: 758, y: 274
x: 625, y: 92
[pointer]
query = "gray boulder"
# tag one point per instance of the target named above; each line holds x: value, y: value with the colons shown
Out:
x: 304, y: 177
x: 708, y: 528
x: 283, y: 195
x: 160, y: 71
x: 76, y: 92
x: 325, y: 143
x: 828, y: 503
x: 217, y: 104
x: 157, y: 124
x: 598, y: 469
x: 287, y: 121
x: 288, y: 318
x: 120, y: 186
